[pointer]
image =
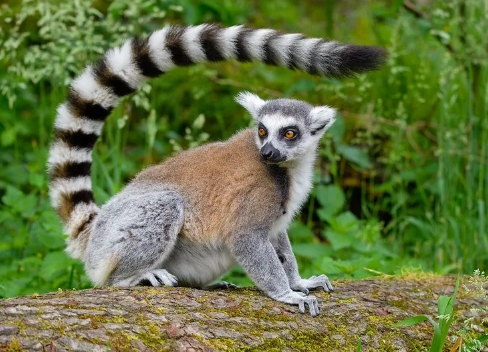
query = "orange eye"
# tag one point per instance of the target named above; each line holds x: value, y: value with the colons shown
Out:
x: 262, y: 132
x: 290, y: 134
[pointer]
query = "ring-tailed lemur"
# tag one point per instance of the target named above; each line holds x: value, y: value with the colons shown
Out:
x: 189, y: 219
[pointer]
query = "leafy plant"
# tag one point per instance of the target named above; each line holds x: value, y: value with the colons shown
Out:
x: 469, y: 338
x: 445, y: 314
x: 465, y: 342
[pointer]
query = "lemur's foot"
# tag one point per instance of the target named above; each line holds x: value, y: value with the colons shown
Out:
x: 159, y: 277
x: 223, y: 285
x: 304, y: 285
x: 155, y: 277
x: 300, y: 299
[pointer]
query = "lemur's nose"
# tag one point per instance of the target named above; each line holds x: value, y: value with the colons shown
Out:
x: 266, y: 153
x: 270, y: 153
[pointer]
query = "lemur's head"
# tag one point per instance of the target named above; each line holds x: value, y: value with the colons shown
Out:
x: 286, y: 129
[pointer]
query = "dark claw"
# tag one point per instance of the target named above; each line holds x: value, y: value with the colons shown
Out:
x: 144, y: 282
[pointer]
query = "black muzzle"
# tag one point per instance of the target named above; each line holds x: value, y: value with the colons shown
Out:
x: 270, y: 154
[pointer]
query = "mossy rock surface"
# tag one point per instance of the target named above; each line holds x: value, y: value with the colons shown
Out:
x: 183, y: 319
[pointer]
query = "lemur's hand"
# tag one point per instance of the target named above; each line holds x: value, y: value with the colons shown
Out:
x: 300, y: 299
x: 304, y: 285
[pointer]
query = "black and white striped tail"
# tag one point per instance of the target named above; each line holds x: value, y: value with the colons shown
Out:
x: 93, y: 95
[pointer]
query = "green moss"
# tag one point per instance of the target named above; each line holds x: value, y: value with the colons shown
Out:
x: 14, y: 346
x: 64, y: 293
x: 56, y: 325
x: 348, y: 300
x: 300, y: 341
x: 118, y: 319
x: 220, y: 344
x: 121, y: 341
x: 152, y: 336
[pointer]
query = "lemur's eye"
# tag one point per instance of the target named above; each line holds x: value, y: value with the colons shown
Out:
x: 290, y: 134
x: 262, y: 132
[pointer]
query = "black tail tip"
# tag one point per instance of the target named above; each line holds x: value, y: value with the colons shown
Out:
x: 359, y: 59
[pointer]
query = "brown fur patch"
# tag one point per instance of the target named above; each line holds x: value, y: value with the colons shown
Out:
x: 69, y: 200
x: 225, y: 185
x: 84, y: 227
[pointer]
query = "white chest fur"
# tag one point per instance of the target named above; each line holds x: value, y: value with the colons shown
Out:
x: 300, y: 183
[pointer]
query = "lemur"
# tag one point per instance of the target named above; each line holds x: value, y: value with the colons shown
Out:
x: 191, y: 218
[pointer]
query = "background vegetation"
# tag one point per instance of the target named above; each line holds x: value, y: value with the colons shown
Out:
x: 402, y: 181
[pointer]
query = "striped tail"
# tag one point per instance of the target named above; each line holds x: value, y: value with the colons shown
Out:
x: 93, y: 95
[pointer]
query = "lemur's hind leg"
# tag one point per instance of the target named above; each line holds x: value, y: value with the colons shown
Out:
x: 132, y: 237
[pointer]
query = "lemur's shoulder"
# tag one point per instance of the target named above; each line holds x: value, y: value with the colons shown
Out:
x: 216, y: 161
x: 223, y: 175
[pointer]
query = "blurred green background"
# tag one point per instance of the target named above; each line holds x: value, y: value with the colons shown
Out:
x: 402, y: 179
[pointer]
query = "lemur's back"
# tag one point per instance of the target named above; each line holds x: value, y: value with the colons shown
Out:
x: 222, y: 183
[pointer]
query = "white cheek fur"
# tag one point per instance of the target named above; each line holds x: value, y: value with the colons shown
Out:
x: 274, y: 123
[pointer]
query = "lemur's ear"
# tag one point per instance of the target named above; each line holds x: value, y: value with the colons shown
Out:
x: 251, y: 102
x: 320, y: 119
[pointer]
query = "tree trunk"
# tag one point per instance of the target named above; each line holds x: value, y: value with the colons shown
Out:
x: 183, y: 319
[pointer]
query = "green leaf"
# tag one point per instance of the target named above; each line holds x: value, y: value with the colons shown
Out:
x: 16, y: 174
x: 30, y: 264
x: 343, y: 223
x: 337, y: 130
x: 355, y: 155
x: 12, y: 196
x: 312, y: 250
x: 361, y: 274
x: 328, y: 266
x: 347, y: 219
x: 19, y: 202
x: 349, y: 266
x: 199, y: 122
x: 411, y: 321
x: 298, y: 232
x: 8, y: 137
x: 27, y: 205
x: 50, y: 221
x: 324, y: 215
x: 50, y: 239
x: 301, y: 85
x: 338, y: 240
x: 443, y: 304
x: 331, y: 198
x: 37, y: 180
x: 483, y: 339
x: 54, y: 264
x: 14, y: 286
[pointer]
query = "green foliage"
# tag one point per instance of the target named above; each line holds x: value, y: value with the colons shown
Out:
x: 31, y: 245
x: 469, y: 333
x: 402, y: 177
x: 445, y: 314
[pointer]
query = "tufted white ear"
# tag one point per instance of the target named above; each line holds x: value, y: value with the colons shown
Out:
x: 321, y: 118
x: 251, y: 102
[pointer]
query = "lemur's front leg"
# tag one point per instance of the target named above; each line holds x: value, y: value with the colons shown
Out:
x: 255, y: 253
x: 287, y: 258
